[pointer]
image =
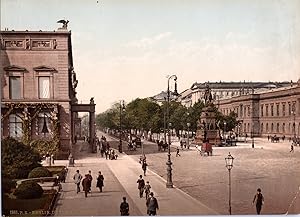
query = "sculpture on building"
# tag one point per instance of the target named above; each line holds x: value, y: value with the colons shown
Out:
x: 64, y: 22
x: 92, y: 100
x: 74, y: 80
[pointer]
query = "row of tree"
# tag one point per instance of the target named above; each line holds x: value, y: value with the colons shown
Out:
x: 145, y: 114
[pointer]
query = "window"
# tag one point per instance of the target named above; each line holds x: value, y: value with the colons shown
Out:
x: 262, y: 128
x: 277, y: 128
x: 272, y: 128
x: 283, y: 109
x: 44, y: 122
x: 283, y: 127
x: 267, y: 128
x: 15, y: 126
x: 267, y: 110
x: 262, y: 110
x: 277, y: 109
x: 248, y: 110
x: 272, y: 110
x: 44, y: 87
x: 15, y: 87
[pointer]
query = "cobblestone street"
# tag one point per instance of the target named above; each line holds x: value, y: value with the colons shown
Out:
x: 269, y: 166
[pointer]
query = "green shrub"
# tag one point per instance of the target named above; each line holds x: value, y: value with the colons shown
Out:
x: 17, y: 159
x: 7, y: 185
x: 29, y: 190
x: 39, y: 172
x: 43, y: 146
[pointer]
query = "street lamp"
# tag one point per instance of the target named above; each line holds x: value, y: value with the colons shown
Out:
x: 224, y: 132
x: 188, y: 136
x: 122, y: 108
x: 169, y: 183
x: 229, y: 165
x: 294, y: 124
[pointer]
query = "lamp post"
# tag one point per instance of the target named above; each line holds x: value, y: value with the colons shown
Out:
x: 229, y: 165
x: 188, y: 136
x: 169, y: 183
x: 294, y: 123
x: 45, y: 128
x: 224, y: 131
x: 122, y: 108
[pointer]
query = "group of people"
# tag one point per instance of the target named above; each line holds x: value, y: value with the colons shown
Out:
x: 104, y: 149
x: 87, y: 182
x: 151, y: 201
x: 161, y: 145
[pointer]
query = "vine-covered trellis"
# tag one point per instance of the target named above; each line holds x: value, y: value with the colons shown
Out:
x: 28, y: 117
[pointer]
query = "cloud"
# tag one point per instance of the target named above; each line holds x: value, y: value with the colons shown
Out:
x: 148, y: 42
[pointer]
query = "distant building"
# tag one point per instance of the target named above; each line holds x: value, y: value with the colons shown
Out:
x: 270, y: 112
x: 38, y: 87
x: 222, y: 90
x: 162, y: 96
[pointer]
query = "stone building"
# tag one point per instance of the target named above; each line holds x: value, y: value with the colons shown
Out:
x: 222, y: 90
x: 271, y: 112
x: 38, y: 87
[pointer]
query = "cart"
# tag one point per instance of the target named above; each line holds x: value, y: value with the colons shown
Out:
x: 206, y: 148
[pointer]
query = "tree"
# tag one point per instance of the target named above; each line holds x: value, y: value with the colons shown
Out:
x: 18, y: 159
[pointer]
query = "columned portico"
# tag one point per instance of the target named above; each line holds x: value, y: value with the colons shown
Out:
x: 92, y: 124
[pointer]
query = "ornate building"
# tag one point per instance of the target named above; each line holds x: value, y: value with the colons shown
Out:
x: 275, y: 111
x: 38, y: 85
x: 222, y: 90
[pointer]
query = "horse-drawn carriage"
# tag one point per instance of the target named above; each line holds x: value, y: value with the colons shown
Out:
x: 205, y: 149
x: 274, y: 138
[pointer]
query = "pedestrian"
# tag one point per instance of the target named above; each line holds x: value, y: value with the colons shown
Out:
x: 141, y: 185
x: 124, y: 207
x: 177, y: 152
x: 181, y: 144
x: 147, y: 189
x: 152, y: 205
x: 77, y: 179
x: 258, y: 200
x: 292, y: 148
x: 86, y: 184
x: 100, y: 183
x: 144, y: 166
x: 268, y: 137
x: 90, y: 178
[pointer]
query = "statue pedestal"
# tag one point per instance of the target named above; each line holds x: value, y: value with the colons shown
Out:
x: 207, y: 130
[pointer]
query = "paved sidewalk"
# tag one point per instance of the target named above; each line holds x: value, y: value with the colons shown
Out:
x: 120, y: 180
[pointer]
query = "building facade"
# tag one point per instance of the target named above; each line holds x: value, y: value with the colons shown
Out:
x: 224, y: 90
x: 272, y: 112
x: 38, y: 87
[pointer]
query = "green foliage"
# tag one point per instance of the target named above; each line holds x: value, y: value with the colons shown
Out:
x: 39, y: 172
x: 18, y: 159
x: 230, y: 120
x: 43, y: 146
x: 29, y: 190
x: 7, y: 185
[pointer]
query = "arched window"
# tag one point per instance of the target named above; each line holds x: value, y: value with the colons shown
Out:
x: 272, y: 128
x: 262, y: 128
x: 277, y: 128
x: 283, y: 127
x: 267, y: 127
x: 44, y: 124
x: 16, y: 125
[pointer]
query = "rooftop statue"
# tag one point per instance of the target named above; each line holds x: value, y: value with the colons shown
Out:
x: 64, y: 22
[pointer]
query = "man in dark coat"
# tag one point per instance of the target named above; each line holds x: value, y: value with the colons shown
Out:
x: 152, y: 205
x: 141, y: 185
x: 90, y: 178
x: 124, y: 207
x: 86, y: 185
x: 100, y: 180
x: 258, y: 200
x: 144, y: 166
x: 77, y: 179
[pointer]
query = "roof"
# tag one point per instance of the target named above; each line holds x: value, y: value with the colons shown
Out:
x: 238, y: 85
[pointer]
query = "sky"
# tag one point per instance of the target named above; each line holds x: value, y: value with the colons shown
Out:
x: 124, y: 49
